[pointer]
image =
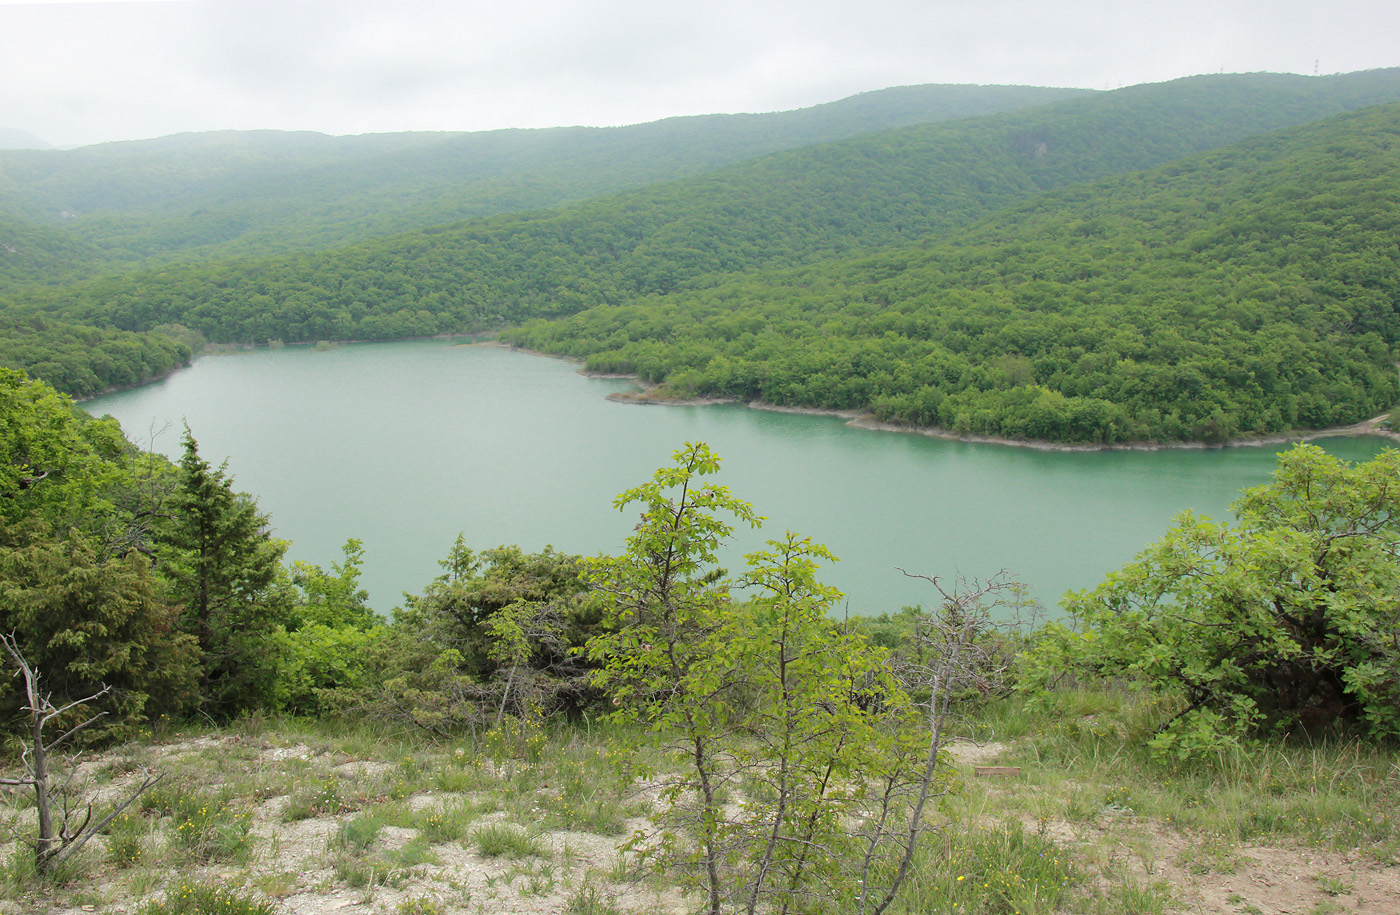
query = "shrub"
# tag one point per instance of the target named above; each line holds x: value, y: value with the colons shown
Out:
x: 1290, y: 621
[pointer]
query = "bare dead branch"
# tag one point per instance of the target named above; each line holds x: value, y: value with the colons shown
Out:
x: 53, y: 846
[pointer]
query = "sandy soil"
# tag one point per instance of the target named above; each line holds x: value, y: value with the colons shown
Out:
x: 293, y: 861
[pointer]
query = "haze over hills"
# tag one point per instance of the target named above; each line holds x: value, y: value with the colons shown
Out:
x: 14, y: 138
x: 783, y: 209
x: 203, y: 195
x: 799, y: 206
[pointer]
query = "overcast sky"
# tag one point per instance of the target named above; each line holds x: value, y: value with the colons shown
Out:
x: 77, y: 73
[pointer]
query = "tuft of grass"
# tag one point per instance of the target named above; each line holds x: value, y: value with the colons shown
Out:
x: 420, y: 905
x: 204, y: 827
x: 503, y: 840
x: 126, y: 840
x: 20, y: 872
x: 143, y: 881
x: 413, y: 854
x: 998, y: 870
x: 538, y: 879
x: 358, y: 833
x: 588, y: 790
x: 589, y: 899
x: 189, y: 898
x: 324, y: 798
x: 451, y: 824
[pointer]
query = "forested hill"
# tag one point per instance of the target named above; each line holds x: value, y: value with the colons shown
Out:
x: 190, y: 196
x: 1250, y: 290
x: 784, y: 209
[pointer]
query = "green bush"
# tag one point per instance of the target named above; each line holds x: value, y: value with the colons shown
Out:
x: 1287, y: 622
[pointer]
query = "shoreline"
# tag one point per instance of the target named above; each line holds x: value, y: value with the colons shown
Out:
x: 233, y: 349
x: 856, y: 418
x: 116, y: 389
x: 864, y: 420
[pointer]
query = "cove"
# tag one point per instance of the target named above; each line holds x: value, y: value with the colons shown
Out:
x: 403, y: 445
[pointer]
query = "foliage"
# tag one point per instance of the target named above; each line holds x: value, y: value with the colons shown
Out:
x: 1240, y: 292
x: 225, y: 193
x: 333, y: 599
x: 331, y: 646
x: 83, y: 361
x: 222, y: 566
x: 1288, y: 621
x: 1235, y: 294
x: 784, y: 209
x: 76, y: 588
x: 769, y: 698
x: 497, y: 632
x: 89, y: 622
x: 56, y: 464
x: 318, y: 665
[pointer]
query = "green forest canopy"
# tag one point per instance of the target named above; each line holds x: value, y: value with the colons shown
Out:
x: 1083, y: 315
x: 1251, y: 290
x: 194, y: 197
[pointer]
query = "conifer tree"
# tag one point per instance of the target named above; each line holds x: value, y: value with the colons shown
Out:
x: 223, y: 563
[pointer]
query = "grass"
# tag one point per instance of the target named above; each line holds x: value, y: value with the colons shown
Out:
x: 203, y: 826
x: 1078, y: 833
x: 127, y: 839
x: 996, y: 870
x: 589, y: 899
x: 1086, y: 748
x: 505, y: 840
x: 451, y: 824
x: 188, y: 898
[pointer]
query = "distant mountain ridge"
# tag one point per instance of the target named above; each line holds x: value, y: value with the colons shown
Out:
x: 14, y: 138
x: 787, y: 208
x: 238, y: 192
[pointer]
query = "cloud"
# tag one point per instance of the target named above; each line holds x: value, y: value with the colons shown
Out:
x: 83, y: 72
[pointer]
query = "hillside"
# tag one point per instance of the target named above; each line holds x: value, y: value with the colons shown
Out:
x: 785, y: 209
x: 194, y: 196
x: 1251, y: 290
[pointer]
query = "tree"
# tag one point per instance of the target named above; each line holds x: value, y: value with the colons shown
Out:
x: 54, y: 843
x: 461, y: 610
x: 334, y: 598
x: 222, y: 564
x: 76, y: 591
x: 809, y: 769
x: 498, y: 632
x: 328, y: 649
x: 671, y: 651
x: 56, y: 463
x: 91, y: 623
x: 1289, y: 621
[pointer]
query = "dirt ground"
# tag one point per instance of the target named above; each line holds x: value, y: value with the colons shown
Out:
x: 292, y: 862
x: 1215, y: 877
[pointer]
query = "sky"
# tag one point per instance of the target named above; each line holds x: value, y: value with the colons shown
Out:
x: 76, y: 73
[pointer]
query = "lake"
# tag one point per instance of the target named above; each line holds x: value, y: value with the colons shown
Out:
x: 404, y: 445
